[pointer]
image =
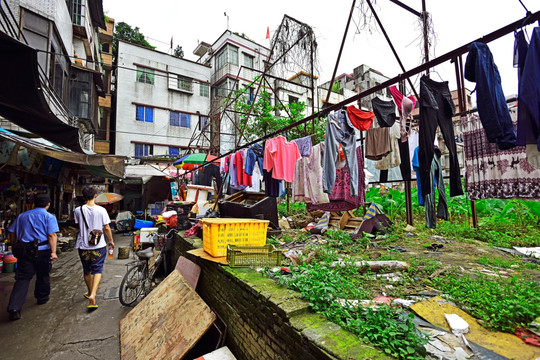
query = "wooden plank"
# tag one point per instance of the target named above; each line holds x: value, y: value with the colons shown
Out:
x: 166, y: 324
x: 189, y: 270
x: 344, y: 219
x: 203, y: 254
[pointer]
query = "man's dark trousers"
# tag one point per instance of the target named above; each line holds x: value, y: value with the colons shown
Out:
x: 28, y: 266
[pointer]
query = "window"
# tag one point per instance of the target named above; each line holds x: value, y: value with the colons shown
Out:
x: 221, y: 89
x: 292, y: 99
x: 80, y: 94
x: 179, y: 119
x: 203, y: 120
x: 229, y: 54
x: 184, y: 83
x: 204, y: 90
x: 36, y: 32
x: 77, y: 11
x: 248, y: 60
x: 145, y: 114
x: 249, y: 95
x: 174, y: 151
x: 233, y: 55
x: 145, y: 75
x: 143, y: 150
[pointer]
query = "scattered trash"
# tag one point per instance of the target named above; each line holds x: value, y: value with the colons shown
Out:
x: 434, y: 247
x: 457, y: 324
x: 374, y: 265
x: 397, y: 248
x: 440, y: 271
x: 531, y: 251
x: 528, y: 336
x: 392, y: 277
x: 409, y: 228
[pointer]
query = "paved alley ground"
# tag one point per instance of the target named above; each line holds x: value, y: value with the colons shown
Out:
x: 63, y: 328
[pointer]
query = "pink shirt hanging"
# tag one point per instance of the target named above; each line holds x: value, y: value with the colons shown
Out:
x: 280, y: 156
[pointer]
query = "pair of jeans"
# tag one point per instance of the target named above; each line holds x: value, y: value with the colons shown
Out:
x: 436, y: 109
x: 492, y: 109
x: 28, y: 266
x: 528, y: 129
x: 436, y: 177
x: 339, y: 130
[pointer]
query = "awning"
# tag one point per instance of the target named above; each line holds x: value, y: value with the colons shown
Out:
x: 22, y: 100
x: 112, y: 164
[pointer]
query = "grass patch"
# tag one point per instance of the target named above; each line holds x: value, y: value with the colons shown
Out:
x: 503, y: 304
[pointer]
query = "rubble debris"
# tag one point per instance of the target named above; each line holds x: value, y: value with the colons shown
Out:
x: 374, y: 265
x: 457, y: 324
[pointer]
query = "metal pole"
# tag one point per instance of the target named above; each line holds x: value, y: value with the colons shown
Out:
x: 339, y: 53
x: 391, y: 46
x: 426, y: 40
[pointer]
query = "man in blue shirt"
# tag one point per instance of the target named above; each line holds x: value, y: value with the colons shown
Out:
x: 34, y: 233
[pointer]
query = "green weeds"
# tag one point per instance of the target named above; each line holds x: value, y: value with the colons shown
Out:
x: 503, y: 304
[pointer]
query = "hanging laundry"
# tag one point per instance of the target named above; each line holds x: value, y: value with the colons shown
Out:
x: 254, y: 156
x: 341, y: 198
x: 378, y: 143
x: 360, y: 119
x: 256, y: 178
x: 308, y: 183
x: 339, y: 131
x: 241, y: 177
x: 280, y: 156
x: 437, y: 108
x: 493, y: 173
x: 304, y: 145
x: 385, y: 111
x: 405, y: 107
x: 393, y: 159
x: 528, y: 129
x: 271, y: 185
x: 492, y: 109
x: 436, y: 180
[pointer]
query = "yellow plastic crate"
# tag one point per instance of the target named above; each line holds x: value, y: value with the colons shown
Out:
x: 218, y: 233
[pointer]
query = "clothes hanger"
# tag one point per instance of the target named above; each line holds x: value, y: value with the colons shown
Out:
x: 435, y: 72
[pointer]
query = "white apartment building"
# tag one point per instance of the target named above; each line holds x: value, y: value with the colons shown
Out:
x: 236, y: 61
x: 160, y: 101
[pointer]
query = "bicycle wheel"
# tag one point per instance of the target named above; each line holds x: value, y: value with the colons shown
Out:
x: 131, y: 286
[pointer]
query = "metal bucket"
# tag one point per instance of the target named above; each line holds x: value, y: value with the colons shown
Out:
x: 123, y: 252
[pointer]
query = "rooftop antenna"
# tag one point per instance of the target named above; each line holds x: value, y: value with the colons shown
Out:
x: 225, y: 13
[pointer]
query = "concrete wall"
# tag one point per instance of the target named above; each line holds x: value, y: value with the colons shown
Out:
x: 160, y: 95
x: 267, y: 321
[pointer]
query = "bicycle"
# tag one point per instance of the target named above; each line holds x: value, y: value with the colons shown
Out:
x: 140, y: 274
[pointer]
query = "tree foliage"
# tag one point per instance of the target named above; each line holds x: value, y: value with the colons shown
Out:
x: 266, y: 117
x: 123, y: 31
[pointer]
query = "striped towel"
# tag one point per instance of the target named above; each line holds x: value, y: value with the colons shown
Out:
x: 373, y: 210
x: 323, y: 221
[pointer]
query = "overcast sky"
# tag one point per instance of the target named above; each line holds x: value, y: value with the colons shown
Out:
x: 455, y: 22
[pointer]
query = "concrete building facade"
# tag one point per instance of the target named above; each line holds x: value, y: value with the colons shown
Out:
x: 160, y: 101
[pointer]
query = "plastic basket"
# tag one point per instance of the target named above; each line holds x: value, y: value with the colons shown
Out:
x: 266, y: 255
x: 218, y: 233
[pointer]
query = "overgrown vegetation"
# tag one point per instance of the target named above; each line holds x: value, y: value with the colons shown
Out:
x: 330, y: 293
x: 124, y: 31
x: 503, y: 304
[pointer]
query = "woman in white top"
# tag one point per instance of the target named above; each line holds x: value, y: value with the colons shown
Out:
x: 92, y: 217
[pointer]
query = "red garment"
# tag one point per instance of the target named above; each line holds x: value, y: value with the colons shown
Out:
x: 398, y: 97
x: 241, y: 177
x: 361, y: 120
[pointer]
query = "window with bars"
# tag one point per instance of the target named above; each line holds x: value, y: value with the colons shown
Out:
x: 248, y: 60
x: 204, y: 90
x: 203, y: 120
x: 144, y: 113
x: 185, y: 83
x: 145, y: 75
x: 179, y: 119
x: 143, y: 150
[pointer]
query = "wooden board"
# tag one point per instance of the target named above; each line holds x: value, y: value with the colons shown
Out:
x: 166, y: 324
x: 204, y: 255
x: 189, y: 270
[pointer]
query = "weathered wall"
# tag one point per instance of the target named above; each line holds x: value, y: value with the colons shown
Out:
x: 266, y: 321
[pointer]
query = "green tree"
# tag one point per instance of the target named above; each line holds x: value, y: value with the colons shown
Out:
x: 123, y: 31
x: 265, y: 117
